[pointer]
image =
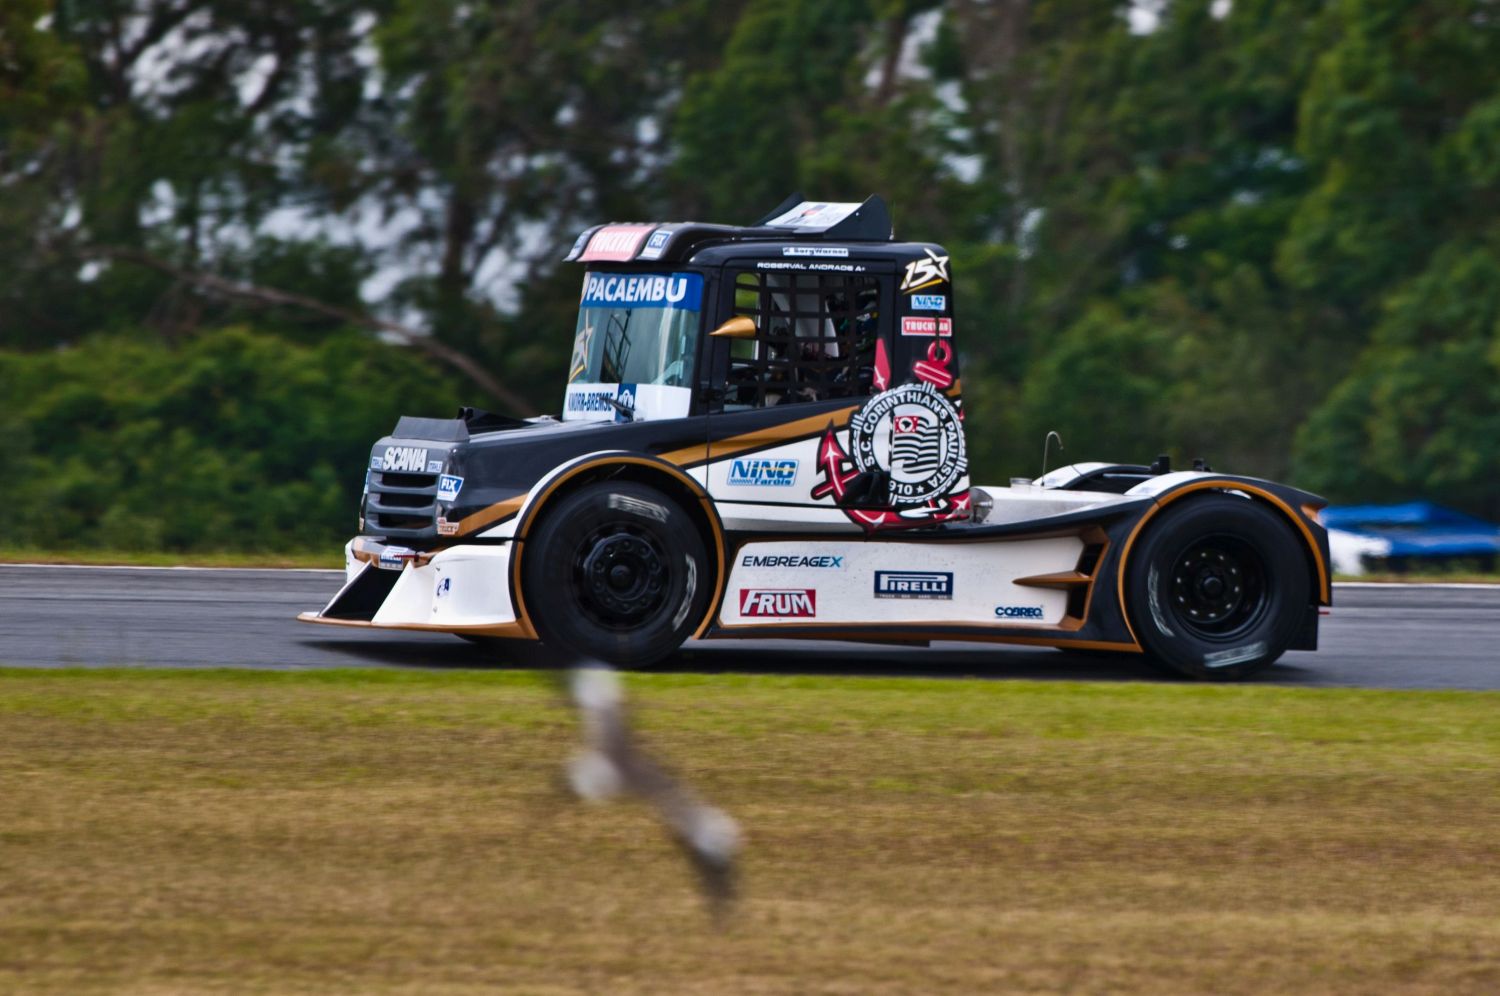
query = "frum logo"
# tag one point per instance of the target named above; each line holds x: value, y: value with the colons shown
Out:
x: 787, y: 603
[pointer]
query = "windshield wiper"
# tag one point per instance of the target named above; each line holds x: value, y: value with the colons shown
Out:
x: 625, y: 410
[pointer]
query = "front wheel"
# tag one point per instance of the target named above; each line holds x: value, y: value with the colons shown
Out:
x: 616, y: 571
x: 1217, y: 588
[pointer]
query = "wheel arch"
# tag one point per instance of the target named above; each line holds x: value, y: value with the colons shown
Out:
x: 640, y: 469
x: 1317, y: 566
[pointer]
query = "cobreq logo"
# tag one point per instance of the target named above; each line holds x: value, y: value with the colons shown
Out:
x: 785, y: 603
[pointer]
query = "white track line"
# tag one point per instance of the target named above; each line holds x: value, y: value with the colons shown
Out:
x: 339, y: 570
x: 1417, y: 584
x: 128, y: 567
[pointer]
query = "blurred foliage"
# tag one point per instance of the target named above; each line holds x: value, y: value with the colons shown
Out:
x: 235, y: 441
x: 1264, y: 232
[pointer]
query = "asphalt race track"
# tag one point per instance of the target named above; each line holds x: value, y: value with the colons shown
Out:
x: 1378, y: 636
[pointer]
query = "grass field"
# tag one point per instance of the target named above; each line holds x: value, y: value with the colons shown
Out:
x: 373, y: 832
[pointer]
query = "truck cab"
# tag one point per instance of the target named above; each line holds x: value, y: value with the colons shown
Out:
x: 764, y: 331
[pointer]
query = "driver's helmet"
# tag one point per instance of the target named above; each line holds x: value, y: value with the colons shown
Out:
x: 867, y: 319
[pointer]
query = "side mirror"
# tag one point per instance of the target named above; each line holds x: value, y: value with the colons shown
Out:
x: 738, y: 327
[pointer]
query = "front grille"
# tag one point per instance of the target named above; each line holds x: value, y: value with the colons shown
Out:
x: 401, y: 500
x: 408, y: 480
x: 402, y: 505
x: 401, y: 525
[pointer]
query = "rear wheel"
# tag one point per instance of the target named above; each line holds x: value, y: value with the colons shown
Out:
x: 1217, y: 588
x: 616, y: 571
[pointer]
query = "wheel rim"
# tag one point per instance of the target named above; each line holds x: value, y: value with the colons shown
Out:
x: 1218, y: 587
x: 620, y: 577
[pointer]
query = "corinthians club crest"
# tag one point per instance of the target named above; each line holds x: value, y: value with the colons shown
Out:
x: 913, y: 433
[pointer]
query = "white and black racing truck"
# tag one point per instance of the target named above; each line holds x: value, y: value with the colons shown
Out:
x: 763, y: 435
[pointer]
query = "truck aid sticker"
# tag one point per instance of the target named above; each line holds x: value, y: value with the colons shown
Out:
x: 616, y: 243
x: 916, y: 325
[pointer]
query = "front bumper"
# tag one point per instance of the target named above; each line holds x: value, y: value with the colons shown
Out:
x: 462, y: 589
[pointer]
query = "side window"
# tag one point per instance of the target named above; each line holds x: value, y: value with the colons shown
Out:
x: 815, y: 338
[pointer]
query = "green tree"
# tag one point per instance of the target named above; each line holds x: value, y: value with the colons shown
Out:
x: 1403, y: 115
x: 236, y: 441
x: 1144, y: 180
x: 1420, y: 413
x: 172, y: 127
x: 1256, y: 223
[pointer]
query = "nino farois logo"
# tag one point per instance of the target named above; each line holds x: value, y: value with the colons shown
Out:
x: 763, y: 472
x: 783, y: 603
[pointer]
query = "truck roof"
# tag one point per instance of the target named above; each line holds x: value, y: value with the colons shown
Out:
x: 794, y: 220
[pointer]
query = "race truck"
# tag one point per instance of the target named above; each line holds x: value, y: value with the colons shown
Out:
x: 763, y: 436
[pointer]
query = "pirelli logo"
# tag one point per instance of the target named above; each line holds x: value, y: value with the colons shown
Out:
x: 913, y: 584
x: 779, y: 603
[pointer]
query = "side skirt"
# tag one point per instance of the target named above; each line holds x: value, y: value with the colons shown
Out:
x: 913, y: 636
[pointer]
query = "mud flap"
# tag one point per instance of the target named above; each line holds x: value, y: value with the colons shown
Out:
x: 1307, y: 633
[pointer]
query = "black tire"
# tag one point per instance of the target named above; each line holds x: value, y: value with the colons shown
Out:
x: 616, y: 571
x: 1217, y: 587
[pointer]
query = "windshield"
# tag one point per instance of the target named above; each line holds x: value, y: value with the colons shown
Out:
x: 634, y: 345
